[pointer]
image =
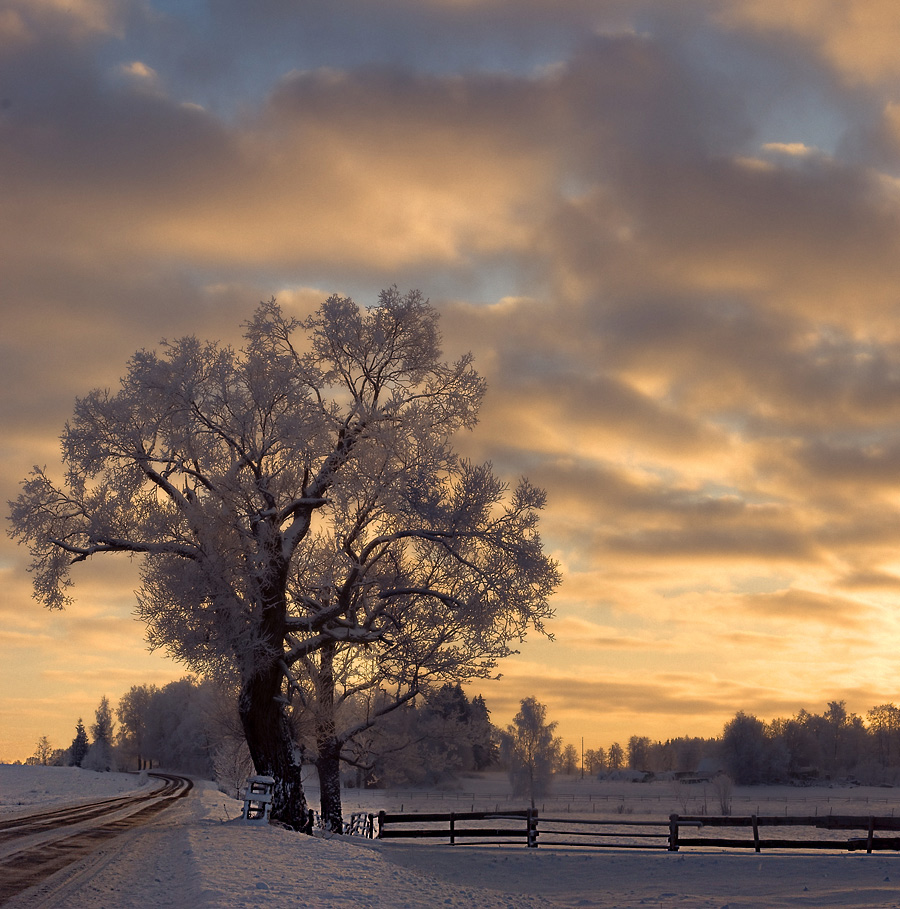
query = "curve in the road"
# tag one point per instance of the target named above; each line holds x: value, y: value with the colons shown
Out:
x: 30, y: 865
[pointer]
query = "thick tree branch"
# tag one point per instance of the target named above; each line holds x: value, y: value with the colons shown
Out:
x: 346, y: 735
x: 81, y: 553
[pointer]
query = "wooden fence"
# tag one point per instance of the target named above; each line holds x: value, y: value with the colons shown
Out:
x: 866, y: 825
x: 523, y: 826
x: 469, y: 825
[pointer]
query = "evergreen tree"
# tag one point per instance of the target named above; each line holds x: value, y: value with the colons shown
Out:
x: 100, y: 754
x: 79, y: 747
x: 485, y: 747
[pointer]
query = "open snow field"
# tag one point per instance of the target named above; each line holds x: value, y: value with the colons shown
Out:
x: 198, y: 855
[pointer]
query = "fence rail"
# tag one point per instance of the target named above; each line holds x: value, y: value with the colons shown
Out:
x: 523, y: 826
x: 601, y: 832
x: 868, y: 823
x: 466, y: 825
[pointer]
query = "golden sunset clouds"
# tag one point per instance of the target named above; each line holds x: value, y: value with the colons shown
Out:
x: 670, y: 234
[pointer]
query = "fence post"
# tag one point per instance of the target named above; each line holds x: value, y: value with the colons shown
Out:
x: 381, y: 815
x: 673, y: 833
x: 370, y: 826
x: 452, y: 829
x: 532, y: 821
x: 871, y: 835
x: 755, y: 823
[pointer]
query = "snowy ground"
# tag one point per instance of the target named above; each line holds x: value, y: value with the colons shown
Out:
x: 197, y: 855
x: 24, y: 789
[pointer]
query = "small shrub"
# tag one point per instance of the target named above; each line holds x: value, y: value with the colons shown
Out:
x: 682, y: 795
x: 724, y: 787
x: 232, y: 765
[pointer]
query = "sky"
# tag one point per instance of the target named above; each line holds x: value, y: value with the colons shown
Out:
x: 669, y: 234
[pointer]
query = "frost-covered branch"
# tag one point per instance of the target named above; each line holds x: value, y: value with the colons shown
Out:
x: 81, y: 553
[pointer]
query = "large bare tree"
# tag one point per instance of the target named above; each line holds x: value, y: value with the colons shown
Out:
x: 213, y: 464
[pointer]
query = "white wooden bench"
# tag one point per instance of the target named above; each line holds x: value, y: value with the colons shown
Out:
x: 258, y: 799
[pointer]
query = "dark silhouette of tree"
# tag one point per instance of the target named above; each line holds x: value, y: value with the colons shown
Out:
x: 484, y: 736
x: 751, y: 752
x: 744, y: 747
x: 639, y: 748
x: 884, y: 727
x: 595, y: 760
x: 568, y: 760
x: 615, y: 757
x: 80, y: 745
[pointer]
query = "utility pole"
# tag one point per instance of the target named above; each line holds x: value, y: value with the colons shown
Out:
x: 582, y: 757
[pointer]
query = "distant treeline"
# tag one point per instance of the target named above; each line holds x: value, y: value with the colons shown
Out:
x: 835, y: 745
x: 182, y: 726
x: 192, y: 726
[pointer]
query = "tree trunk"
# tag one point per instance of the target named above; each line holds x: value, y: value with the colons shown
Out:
x: 328, y: 760
x: 328, y: 765
x: 266, y: 725
x: 271, y: 743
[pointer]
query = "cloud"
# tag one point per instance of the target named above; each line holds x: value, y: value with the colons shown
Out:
x: 581, y: 634
x: 876, y: 463
x: 13, y: 30
x: 668, y: 232
x: 792, y: 149
x: 25, y: 21
x: 808, y: 606
x: 405, y: 170
x: 859, y: 38
x: 863, y: 579
x: 764, y: 534
x: 142, y: 74
x: 624, y: 707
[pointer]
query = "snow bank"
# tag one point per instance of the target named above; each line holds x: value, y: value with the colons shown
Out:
x: 25, y: 788
x: 245, y: 866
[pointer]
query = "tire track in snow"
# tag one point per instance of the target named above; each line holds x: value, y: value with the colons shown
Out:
x: 26, y: 867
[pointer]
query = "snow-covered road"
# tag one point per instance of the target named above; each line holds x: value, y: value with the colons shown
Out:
x: 35, y: 846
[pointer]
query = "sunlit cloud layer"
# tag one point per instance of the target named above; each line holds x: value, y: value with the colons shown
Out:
x: 669, y: 233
